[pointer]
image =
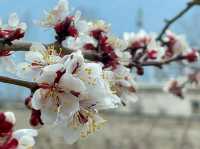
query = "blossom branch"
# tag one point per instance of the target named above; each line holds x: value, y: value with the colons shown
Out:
x: 25, y: 46
x: 159, y: 64
x: 175, y: 18
x: 31, y: 85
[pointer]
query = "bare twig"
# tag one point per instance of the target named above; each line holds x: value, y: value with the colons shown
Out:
x: 31, y: 85
x: 174, y: 19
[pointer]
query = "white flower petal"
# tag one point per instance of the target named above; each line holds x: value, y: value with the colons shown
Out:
x: 23, y: 26
x: 71, y: 135
x: 128, y: 97
x: 82, y: 26
x: 25, y: 132
x: 25, y: 138
x: 26, y: 71
x: 65, y: 131
x: 48, y: 115
x: 50, y: 73
x: 26, y: 142
x: 1, y: 22
x: 38, y: 47
x: 70, y: 105
x: 13, y: 20
x: 75, y: 62
x: 10, y: 117
x: 36, y: 100
x: 34, y: 57
x: 70, y: 83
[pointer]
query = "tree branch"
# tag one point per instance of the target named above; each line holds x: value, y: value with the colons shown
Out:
x: 31, y: 85
x: 159, y: 64
x: 175, y: 18
x: 25, y: 46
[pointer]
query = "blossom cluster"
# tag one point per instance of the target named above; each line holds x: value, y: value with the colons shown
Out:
x: 71, y: 91
x: 179, y: 85
x: 75, y: 33
x: 10, y: 139
x: 13, y: 30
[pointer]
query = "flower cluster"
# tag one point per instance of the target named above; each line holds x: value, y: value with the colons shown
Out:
x: 19, y: 139
x: 70, y: 93
x: 13, y: 30
x: 175, y: 87
x: 96, y: 37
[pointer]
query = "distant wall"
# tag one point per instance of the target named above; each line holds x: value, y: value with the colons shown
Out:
x: 125, y: 131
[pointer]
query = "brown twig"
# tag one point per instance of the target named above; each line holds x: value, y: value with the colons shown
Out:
x: 31, y: 85
x: 159, y: 64
x: 175, y: 18
x: 25, y: 46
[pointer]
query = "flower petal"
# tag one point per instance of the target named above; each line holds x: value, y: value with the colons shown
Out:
x: 71, y: 135
x: 74, y: 62
x: 26, y: 71
x: 25, y: 132
x: 70, y: 83
x: 25, y: 138
x: 23, y: 26
x: 34, y: 57
x: 48, y: 115
x: 50, y: 73
x: 10, y: 117
x: 13, y: 20
x: 1, y: 22
x: 69, y: 106
x: 36, y: 100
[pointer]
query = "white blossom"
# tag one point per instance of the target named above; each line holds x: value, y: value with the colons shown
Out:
x: 79, y: 42
x: 25, y: 138
x: 179, y: 42
x: 79, y: 93
x: 122, y: 83
x: 136, y: 40
x: 10, y: 117
x: 58, y: 14
x: 99, y: 25
x: 14, y: 23
x: 37, y: 58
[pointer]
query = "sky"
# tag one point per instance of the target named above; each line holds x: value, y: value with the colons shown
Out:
x: 122, y: 14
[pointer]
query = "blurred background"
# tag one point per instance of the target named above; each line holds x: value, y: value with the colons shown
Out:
x: 157, y: 120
